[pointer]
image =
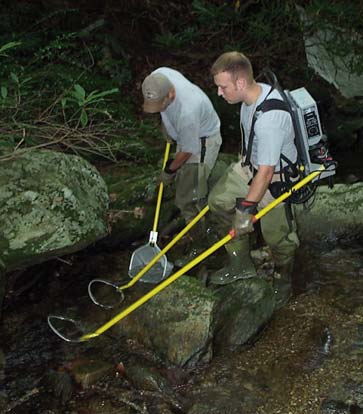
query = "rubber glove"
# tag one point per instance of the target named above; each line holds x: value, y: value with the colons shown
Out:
x: 243, y: 218
x: 167, y: 176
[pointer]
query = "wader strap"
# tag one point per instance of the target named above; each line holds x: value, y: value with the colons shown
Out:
x: 250, y: 141
x: 289, y: 215
x: 203, y: 149
x: 243, y: 144
x: 265, y: 106
x: 252, y: 131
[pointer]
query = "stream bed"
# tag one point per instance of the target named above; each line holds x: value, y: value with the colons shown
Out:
x: 308, y: 359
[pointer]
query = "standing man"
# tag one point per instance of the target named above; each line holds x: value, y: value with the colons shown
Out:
x: 245, y: 185
x: 189, y: 119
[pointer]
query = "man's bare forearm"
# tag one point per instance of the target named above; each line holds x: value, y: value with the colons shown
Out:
x: 179, y: 160
x: 260, y: 183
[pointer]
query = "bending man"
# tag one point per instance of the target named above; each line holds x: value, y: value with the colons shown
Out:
x: 189, y: 119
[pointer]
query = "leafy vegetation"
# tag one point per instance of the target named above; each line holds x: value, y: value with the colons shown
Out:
x: 70, y: 76
x: 53, y: 94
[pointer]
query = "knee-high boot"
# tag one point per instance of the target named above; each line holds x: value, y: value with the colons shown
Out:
x: 240, y: 265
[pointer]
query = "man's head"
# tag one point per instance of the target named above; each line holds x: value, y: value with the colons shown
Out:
x: 158, y: 93
x: 233, y: 75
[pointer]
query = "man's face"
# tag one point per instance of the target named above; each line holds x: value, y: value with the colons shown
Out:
x: 229, y: 89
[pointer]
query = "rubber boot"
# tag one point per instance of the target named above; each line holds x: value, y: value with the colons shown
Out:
x: 240, y: 265
x: 282, y: 284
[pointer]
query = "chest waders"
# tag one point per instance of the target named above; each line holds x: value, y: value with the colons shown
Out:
x: 190, y: 198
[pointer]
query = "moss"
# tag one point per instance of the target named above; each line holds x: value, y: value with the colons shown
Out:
x: 50, y: 201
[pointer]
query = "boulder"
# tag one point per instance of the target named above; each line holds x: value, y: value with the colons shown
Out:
x: 177, y: 323
x: 51, y: 204
x: 334, y: 212
x: 186, y: 322
x: 321, y: 47
x: 243, y: 308
x: 133, y: 192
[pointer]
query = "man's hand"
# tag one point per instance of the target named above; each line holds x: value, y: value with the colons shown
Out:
x: 243, y: 218
x: 167, y: 176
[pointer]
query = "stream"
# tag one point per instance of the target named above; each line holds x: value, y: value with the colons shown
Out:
x: 307, y: 359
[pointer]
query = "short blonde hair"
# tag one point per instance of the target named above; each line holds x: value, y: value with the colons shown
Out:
x: 236, y: 63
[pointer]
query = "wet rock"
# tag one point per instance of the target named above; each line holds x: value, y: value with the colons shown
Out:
x: 61, y: 384
x: 149, y: 378
x: 243, y: 308
x: 345, y: 397
x: 76, y: 375
x: 177, y: 323
x: 338, y: 261
x: 51, y: 204
x: 182, y: 322
x: 351, y: 179
x: 334, y: 407
x: 334, y: 213
x: 175, y: 376
x: 133, y: 193
x: 146, y: 378
x: 263, y: 261
x: 261, y: 256
x: 88, y: 372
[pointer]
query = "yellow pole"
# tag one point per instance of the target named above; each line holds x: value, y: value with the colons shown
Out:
x: 286, y: 195
x: 197, y: 260
x: 165, y: 249
x: 161, y: 187
x: 158, y: 288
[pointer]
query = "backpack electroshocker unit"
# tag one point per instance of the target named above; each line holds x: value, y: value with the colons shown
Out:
x: 310, y: 141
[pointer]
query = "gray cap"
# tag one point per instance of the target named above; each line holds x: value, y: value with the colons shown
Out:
x: 155, y: 88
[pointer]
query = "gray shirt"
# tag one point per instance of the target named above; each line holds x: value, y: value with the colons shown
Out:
x: 191, y: 115
x: 274, y: 132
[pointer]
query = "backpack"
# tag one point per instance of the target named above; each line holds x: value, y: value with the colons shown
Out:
x: 310, y: 141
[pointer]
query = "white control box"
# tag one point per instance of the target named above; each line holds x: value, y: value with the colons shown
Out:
x: 307, y: 121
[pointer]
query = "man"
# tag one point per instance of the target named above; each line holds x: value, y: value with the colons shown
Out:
x: 245, y: 185
x: 190, y: 120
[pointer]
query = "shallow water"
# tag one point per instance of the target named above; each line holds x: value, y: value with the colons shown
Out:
x: 308, y: 359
